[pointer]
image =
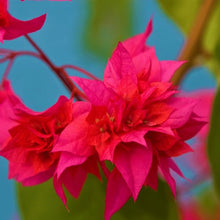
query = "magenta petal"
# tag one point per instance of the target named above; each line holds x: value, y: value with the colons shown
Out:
x: 183, y: 107
x: 136, y: 44
x: 73, y: 179
x: 59, y: 190
x: 175, y: 168
x: 191, y: 128
x: 119, y: 67
x: 117, y: 194
x: 73, y: 139
x: 135, y: 136
x: 80, y: 107
x: 155, y: 71
x: 68, y: 160
x: 17, y: 28
x: 168, y: 68
x: 133, y: 162
x: 4, y: 4
x: 95, y: 90
x: 38, y: 179
x: 164, y: 166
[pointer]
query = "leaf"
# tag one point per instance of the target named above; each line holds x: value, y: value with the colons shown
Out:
x: 213, y: 143
x: 152, y: 205
x: 183, y: 13
x: 109, y: 22
x: 41, y: 202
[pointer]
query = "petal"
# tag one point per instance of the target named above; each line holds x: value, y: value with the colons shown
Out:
x: 168, y: 68
x: 106, y: 150
x: 136, y: 44
x: 17, y: 28
x: 59, y: 190
x: 80, y: 107
x: 95, y: 90
x: 117, y: 194
x: 4, y: 4
x: 152, y: 177
x: 191, y: 128
x: 183, y: 107
x: 67, y: 160
x: 73, y: 139
x: 73, y: 178
x: 133, y: 162
x: 178, y: 149
x: 164, y: 166
x: 135, y: 136
x: 175, y: 168
x: 119, y: 66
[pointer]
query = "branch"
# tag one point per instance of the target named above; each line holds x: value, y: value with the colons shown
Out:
x: 61, y: 73
x: 192, y: 46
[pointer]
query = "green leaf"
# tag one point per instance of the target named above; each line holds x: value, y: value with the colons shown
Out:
x: 214, y: 143
x: 152, y: 205
x: 41, y: 202
x: 108, y: 23
x: 183, y: 13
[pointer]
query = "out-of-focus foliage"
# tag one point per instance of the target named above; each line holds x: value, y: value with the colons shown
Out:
x: 214, y: 143
x: 183, y: 14
x: 41, y: 202
x: 209, y: 204
x: 109, y: 22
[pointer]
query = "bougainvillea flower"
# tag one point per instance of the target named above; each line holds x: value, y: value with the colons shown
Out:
x: 8, y: 100
x: 28, y: 149
x: 11, y: 28
x: 135, y: 120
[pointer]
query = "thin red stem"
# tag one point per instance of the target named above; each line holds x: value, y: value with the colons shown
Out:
x: 61, y: 73
x: 79, y: 69
x: 8, y: 68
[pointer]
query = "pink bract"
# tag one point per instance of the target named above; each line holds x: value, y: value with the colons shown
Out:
x: 135, y: 119
x: 11, y: 28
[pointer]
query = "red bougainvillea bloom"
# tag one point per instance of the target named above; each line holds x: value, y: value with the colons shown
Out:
x: 28, y: 149
x: 135, y: 121
x: 11, y: 28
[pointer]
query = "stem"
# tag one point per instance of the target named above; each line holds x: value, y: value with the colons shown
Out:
x: 58, y: 71
x: 8, y: 68
x: 80, y: 70
x: 192, y: 46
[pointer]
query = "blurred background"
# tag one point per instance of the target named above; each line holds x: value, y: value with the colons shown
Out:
x: 84, y: 33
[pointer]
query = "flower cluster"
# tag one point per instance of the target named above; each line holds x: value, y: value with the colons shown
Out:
x: 135, y: 118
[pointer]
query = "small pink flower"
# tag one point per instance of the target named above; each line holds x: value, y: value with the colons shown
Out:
x: 31, y: 140
x: 11, y: 28
x: 133, y: 120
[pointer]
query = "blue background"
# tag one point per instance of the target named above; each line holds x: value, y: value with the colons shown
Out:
x: 61, y: 39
